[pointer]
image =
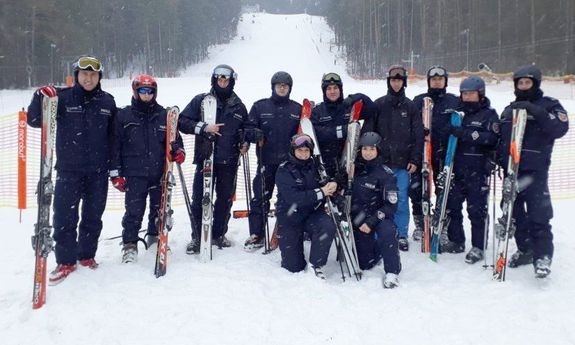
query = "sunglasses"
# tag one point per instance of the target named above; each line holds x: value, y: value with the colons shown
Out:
x: 224, y: 73
x: 88, y: 62
x: 146, y: 91
x: 331, y: 77
x: 437, y: 72
x: 302, y: 140
x: 397, y: 72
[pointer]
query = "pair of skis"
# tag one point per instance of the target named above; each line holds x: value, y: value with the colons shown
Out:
x: 165, y: 220
x: 42, y: 240
x: 505, y: 228
x: 345, y: 243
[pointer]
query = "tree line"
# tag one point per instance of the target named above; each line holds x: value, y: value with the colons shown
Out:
x: 458, y: 34
x: 40, y: 39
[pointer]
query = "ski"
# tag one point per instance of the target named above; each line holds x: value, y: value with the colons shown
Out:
x: 505, y: 227
x: 209, y: 111
x: 440, y: 221
x: 344, y: 234
x: 41, y: 240
x: 426, y: 176
x: 165, y: 221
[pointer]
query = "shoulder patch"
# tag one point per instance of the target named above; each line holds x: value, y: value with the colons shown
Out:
x: 563, y: 117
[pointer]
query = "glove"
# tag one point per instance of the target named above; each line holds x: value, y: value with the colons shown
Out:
x: 456, y: 131
x: 178, y: 154
x: 47, y: 91
x: 119, y: 183
x: 348, y: 101
x: 537, y: 111
x: 426, y: 132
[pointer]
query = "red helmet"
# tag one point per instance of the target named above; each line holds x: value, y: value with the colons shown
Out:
x: 144, y: 80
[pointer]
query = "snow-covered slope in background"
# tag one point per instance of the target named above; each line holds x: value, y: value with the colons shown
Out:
x: 243, y: 298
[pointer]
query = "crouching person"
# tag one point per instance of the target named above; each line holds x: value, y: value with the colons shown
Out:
x: 301, y: 208
x: 374, y: 202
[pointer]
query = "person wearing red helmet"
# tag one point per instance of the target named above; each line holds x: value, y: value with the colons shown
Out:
x: 138, y: 158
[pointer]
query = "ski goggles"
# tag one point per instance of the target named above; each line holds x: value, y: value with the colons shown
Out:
x: 88, y: 62
x: 224, y: 73
x: 146, y: 91
x: 302, y: 140
x: 436, y: 71
x: 397, y: 72
x: 331, y: 77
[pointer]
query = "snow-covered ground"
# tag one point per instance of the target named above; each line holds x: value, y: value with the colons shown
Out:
x: 243, y: 298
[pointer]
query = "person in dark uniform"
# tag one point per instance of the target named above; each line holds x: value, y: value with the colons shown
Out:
x: 272, y: 123
x: 300, y: 208
x: 398, y: 122
x: 228, y: 134
x: 84, y: 134
x: 476, y: 139
x: 138, y: 160
x: 443, y: 102
x: 546, y: 121
x: 374, y: 202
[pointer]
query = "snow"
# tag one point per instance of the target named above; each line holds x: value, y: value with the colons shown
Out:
x: 247, y: 298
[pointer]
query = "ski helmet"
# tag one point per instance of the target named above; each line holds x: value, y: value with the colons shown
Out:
x: 529, y: 71
x: 370, y: 139
x: 227, y: 72
x: 144, y: 81
x: 302, y: 140
x: 282, y: 77
x: 473, y: 83
x: 87, y: 63
x: 397, y: 72
x: 331, y: 78
x: 437, y: 71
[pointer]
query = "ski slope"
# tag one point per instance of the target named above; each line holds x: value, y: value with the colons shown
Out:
x: 243, y: 298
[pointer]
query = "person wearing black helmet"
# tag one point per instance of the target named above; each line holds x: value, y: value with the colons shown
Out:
x: 300, y: 208
x: 138, y: 159
x: 330, y: 119
x: 228, y: 134
x: 477, y: 138
x: 398, y: 121
x: 443, y: 101
x: 271, y: 124
x: 373, y: 206
x: 547, y: 121
x: 84, y: 133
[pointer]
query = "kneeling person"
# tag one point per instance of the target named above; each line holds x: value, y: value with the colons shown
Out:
x: 301, y: 208
x: 374, y: 203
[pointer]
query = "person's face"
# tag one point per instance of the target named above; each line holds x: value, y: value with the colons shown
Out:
x: 470, y: 96
x: 524, y: 84
x: 437, y: 82
x: 332, y: 92
x: 368, y: 152
x: 396, y: 84
x: 281, y: 89
x: 146, y: 97
x: 88, y: 79
x: 223, y: 82
x: 302, y: 153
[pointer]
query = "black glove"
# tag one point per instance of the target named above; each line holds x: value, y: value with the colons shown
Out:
x: 348, y: 101
x: 535, y: 110
x: 456, y: 131
x: 426, y: 132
